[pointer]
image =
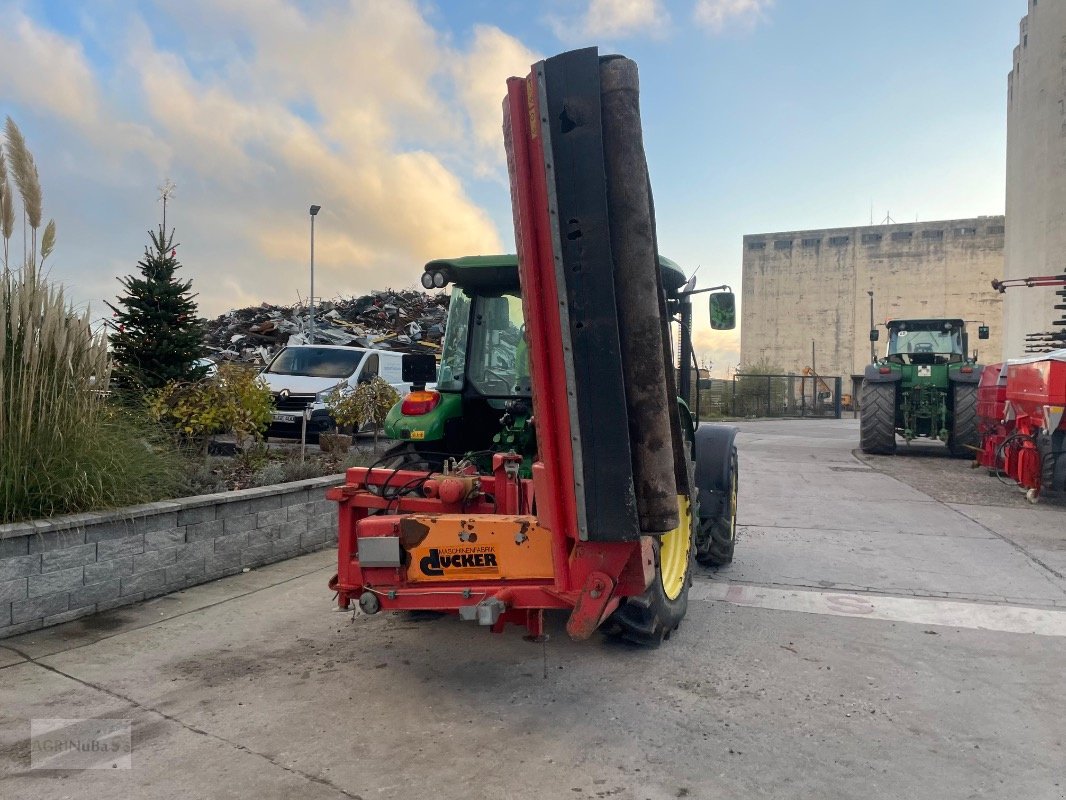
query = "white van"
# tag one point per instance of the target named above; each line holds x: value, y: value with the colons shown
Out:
x: 303, y: 376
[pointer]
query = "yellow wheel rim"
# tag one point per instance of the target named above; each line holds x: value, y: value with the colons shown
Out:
x: 733, y: 486
x: 674, y: 551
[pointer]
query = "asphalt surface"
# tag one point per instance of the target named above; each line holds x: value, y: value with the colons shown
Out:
x: 891, y: 628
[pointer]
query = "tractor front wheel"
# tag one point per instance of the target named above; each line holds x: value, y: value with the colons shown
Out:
x: 717, y: 536
x: 965, y: 441
x: 877, y: 423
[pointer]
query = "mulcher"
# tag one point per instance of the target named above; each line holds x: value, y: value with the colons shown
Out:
x: 550, y: 463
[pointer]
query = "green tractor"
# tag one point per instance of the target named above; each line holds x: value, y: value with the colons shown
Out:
x: 482, y: 401
x: 924, y: 387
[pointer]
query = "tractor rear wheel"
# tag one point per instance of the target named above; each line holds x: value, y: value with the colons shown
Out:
x: 964, y: 441
x: 717, y: 536
x: 405, y: 455
x: 877, y: 423
x: 650, y: 618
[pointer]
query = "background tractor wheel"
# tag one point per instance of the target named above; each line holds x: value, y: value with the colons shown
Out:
x: 717, y: 536
x: 965, y: 440
x: 877, y: 424
x: 650, y: 618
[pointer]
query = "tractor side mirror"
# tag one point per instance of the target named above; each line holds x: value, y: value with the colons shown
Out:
x: 723, y: 311
x: 418, y: 368
x: 982, y: 332
x: 874, y: 334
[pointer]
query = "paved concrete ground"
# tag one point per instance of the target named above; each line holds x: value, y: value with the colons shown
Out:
x: 846, y: 653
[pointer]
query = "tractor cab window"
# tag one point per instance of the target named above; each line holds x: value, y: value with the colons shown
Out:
x: 453, y: 350
x: 925, y: 345
x: 498, y: 364
x: 484, y: 346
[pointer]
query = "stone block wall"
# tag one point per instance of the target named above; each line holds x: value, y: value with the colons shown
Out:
x: 56, y: 570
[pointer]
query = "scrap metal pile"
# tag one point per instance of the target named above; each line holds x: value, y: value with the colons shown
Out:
x: 407, y: 321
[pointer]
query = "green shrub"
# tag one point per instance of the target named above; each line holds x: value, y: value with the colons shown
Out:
x: 368, y: 404
x: 234, y: 401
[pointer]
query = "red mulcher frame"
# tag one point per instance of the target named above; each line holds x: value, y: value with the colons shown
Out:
x: 590, y: 578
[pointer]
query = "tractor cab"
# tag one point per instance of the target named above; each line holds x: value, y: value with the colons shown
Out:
x: 926, y: 341
x: 482, y: 400
x: 481, y: 403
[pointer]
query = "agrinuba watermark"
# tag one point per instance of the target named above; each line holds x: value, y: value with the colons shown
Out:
x: 81, y: 743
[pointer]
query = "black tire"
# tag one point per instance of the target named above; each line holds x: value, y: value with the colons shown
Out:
x: 405, y: 455
x: 717, y: 536
x: 964, y: 441
x: 648, y: 620
x: 877, y: 423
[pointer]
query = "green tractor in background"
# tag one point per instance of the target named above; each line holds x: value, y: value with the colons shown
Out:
x: 924, y: 387
x: 481, y: 403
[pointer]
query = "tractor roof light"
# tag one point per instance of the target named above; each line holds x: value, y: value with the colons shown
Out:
x: 434, y: 279
x: 416, y: 404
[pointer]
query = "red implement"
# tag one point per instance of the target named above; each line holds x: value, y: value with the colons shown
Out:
x: 1035, y: 400
x: 991, y: 409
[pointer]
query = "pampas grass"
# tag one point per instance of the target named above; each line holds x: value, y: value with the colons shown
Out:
x: 63, y: 448
x: 29, y: 185
x: 7, y: 208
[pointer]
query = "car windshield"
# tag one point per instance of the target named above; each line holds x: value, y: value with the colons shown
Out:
x: 925, y: 345
x: 316, y: 362
x: 497, y: 364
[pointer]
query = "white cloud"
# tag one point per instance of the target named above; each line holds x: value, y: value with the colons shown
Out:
x: 716, y: 15
x: 719, y: 348
x: 41, y: 70
x: 614, y: 18
x: 257, y: 108
x: 479, y: 75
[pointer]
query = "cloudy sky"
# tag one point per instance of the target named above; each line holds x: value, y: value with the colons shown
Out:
x: 759, y: 115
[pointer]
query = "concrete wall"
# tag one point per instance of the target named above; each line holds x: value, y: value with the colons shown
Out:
x: 53, y: 571
x: 1036, y: 169
x: 804, y: 286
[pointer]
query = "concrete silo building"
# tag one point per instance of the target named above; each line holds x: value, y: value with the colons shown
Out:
x: 805, y: 290
x: 1036, y: 171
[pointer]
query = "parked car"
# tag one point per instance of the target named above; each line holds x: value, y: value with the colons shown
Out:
x: 301, y: 377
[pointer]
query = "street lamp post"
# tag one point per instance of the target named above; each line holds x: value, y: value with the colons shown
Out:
x: 873, y: 347
x: 314, y: 212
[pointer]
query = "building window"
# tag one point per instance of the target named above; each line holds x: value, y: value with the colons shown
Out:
x: 871, y: 238
x: 783, y: 244
x: 811, y: 242
x: 1025, y: 40
x: 902, y: 236
x: 966, y: 231
x: 837, y: 241
x: 996, y: 230
x: 756, y: 245
x: 932, y: 234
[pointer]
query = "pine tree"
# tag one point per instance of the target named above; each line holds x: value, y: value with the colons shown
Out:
x: 155, y: 334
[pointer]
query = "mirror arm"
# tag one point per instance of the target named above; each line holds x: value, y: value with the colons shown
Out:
x: 723, y: 287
